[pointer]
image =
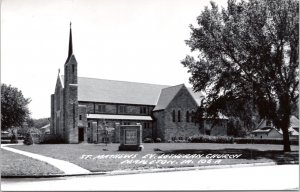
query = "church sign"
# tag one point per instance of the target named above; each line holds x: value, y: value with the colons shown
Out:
x: 130, y: 138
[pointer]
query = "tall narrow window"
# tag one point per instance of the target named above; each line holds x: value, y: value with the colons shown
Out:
x: 80, y: 117
x: 179, y: 116
x: 73, y: 68
x: 173, y: 116
x: 187, y: 116
x: 193, y: 116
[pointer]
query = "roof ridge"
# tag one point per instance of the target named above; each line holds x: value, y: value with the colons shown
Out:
x: 182, y: 84
x: 124, y: 81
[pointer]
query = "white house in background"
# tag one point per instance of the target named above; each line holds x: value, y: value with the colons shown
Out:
x: 266, y: 129
x: 45, y: 129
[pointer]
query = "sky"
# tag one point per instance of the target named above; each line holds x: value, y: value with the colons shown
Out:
x: 128, y: 40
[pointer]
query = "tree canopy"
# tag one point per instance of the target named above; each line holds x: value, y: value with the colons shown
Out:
x: 14, y: 107
x: 247, y: 54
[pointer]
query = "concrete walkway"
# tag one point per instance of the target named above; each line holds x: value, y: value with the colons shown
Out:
x: 67, y: 167
x: 278, y: 177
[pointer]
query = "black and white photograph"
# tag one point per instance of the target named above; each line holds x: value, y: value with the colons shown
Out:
x: 149, y: 95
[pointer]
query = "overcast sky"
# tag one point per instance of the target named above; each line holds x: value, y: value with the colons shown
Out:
x: 129, y: 40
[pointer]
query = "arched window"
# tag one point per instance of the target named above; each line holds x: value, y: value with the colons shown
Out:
x: 187, y: 116
x: 193, y: 116
x: 173, y: 116
x: 179, y: 116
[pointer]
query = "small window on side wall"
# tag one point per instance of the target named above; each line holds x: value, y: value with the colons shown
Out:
x: 101, y: 108
x: 80, y: 117
x: 173, y: 116
x: 143, y: 110
x: 187, y: 116
x: 122, y: 109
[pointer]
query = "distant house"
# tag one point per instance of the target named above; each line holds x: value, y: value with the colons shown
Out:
x: 266, y: 129
x: 5, y: 134
x: 45, y: 129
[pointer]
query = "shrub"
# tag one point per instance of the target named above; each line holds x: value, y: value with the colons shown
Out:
x: 158, y: 140
x: 278, y: 141
x: 51, y: 139
x: 210, y: 139
x: 148, y: 140
x: 28, y: 140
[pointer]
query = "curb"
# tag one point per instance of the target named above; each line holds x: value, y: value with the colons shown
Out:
x: 129, y: 172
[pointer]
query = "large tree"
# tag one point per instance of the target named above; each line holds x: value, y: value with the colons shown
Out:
x: 14, y: 107
x: 247, y: 54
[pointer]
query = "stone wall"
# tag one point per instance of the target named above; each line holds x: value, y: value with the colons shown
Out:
x: 184, y: 128
x: 82, y: 121
x: 52, y: 115
x: 56, y: 124
x: 71, y: 101
x: 159, y: 125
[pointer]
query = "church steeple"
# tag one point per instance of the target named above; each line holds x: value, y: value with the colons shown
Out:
x: 70, y: 42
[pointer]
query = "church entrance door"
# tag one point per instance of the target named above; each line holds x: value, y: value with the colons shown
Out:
x: 80, y: 134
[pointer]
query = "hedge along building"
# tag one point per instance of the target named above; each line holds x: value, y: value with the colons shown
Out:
x: 83, y: 108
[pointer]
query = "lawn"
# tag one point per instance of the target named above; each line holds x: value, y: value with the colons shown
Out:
x: 102, y: 158
x: 13, y: 164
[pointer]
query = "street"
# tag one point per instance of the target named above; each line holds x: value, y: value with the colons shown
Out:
x: 278, y: 177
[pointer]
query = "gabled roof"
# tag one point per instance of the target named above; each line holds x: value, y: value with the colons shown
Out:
x: 263, y: 130
x: 112, y: 91
x: 294, y: 122
x: 166, y: 96
x: 46, y: 126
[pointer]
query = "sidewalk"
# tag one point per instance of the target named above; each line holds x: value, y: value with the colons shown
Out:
x: 67, y: 167
x: 278, y: 177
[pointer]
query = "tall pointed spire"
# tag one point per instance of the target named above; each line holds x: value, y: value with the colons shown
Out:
x: 70, y: 42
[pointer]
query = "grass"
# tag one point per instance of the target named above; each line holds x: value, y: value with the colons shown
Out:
x: 13, y: 164
x: 250, y: 153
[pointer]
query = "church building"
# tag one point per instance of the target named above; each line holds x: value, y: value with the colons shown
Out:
x: 91, y: 110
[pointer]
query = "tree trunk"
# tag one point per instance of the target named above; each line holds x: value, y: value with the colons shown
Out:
x: 285, y: 132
